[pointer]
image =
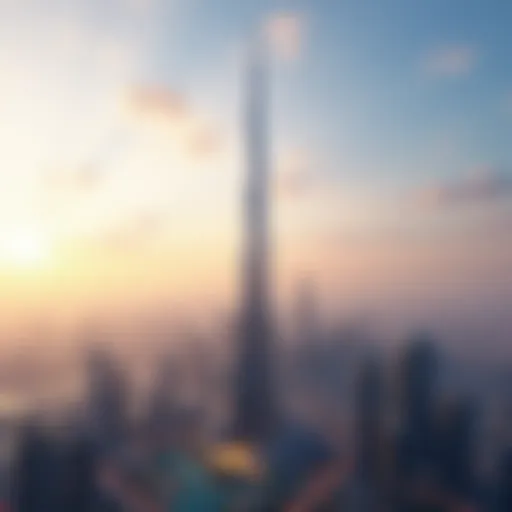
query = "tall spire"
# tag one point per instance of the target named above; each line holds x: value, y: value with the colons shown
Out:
x: 255, y: 412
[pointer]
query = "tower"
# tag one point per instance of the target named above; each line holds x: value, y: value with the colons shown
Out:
x: 455, y: 439
x: 311, y: 370
x: 419, y: 378
x: 368, y: 420
x: 107, y: 400
x: 416, y: 445
x: 162, y: 401
x: 255, y: 408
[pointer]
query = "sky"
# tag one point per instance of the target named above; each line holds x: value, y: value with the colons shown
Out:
x: 122, y: 157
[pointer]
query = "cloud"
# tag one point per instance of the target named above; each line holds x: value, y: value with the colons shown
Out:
x: 83, y: 180
x: 158, y: 101
x: 285, y: 32
x: 450, y: 61
x: 171, y: 112
x: 299, y: 177
x: 483, y: 185
x: 203, y: 142
x: 134, y: 232
x: 294, y: 176
x: 85, y: 177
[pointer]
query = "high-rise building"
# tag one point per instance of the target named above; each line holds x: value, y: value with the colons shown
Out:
x: 162, y: 400
x: 419, y: 382
x: 307, y: 338
x: 255, y: 404
x: 368, y: 420
x: 416, y: 450
x: 107, y: 400
x: 455, y: 434
x: 36, y: 472
x: 503, y: 490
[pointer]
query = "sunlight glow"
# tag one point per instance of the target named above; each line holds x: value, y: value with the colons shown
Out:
x: 24, y: 248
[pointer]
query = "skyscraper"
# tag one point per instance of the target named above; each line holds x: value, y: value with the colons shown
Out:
x: 255, y: 407
x: 368, y: 420
x: 455, y: 436
x: 107, y: 400
x: 367, y: 489
x: 312, y: 373
x: 162, y: 401
x: 416, y: 454
x: 419, y: 379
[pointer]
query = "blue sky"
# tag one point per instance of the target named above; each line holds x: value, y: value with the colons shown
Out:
x: 391, y: 128
x: 365, y: 91
x: 360, y: 86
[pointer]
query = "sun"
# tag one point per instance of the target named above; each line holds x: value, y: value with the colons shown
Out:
x: 24, y: 248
